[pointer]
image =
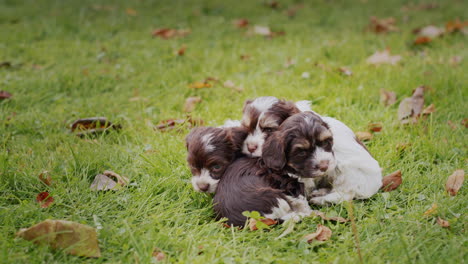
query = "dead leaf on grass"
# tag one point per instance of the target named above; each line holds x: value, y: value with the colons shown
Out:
x: 171, y: 124
x: 266, y: 221
x: 5, y: 95
x: 464, y: 122
x: 158, y: 255
x: 383, y: 57
x: 455, y: 182
x: 345, y: 71
x: 191, y: 102
x: 430, y: 31
x: 333, y: 218
x: 383, y: 25
x: 391, y: 181
x: 45, y: 178
x: 92, y: 125
x: 410, y: 108
x: 104, y: 182
x: 272, y: 4
x: 442, y: 222
x: 241, y: 23
x: 232, y: 85
x: 181, y: 50
x: 455, y: 26
x: 363, y: 135
x: 387, y: 97
x: 245, y: 57
x: 5, y: 64
x: 422, y: 40
x: 74, y: 238
x: 168, y: 33
x: 44, y: 199
x: 199, y: 85
x: 375, y: 127
x: 323, y: 233
x: 431, y: 210
x: 428, y: 110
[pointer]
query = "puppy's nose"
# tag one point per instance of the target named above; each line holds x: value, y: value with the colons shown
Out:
x: 252, y: 147
x: 203, y: 186
x: 323, y: 165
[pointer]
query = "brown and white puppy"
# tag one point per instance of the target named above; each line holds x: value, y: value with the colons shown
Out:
x: 322, y: 150
x: 210, y: 151
x: 247, y: 186
x: 261, y: 117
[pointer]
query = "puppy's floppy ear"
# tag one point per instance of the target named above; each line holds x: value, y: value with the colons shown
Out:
x: 247, y: 102
x: 193, y: 132
x: 273, y: 152
x: 236, y: 135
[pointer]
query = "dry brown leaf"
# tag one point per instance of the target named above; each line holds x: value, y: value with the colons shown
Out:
x: 422, y: 40
x: 171, y: 124
x: 241, y: 23
x: 464, y: 122
x: 323, y: 233
x: 74, y: 238
x: 375, y: 127
x: 292, y: 11
x: 267, y: 221
x: 384, y: 25
x: 383, y: 57
x: 92, y: 125
x: 191, y: 102
x: 181, y: 50
x: 410, y: 108
x: 5, y: 95
x: 230, y: 84
x: 391, y: 181
x: 44, y: 199
x: 168, y: 33
x: 45, y: 178
x: 245, y: 57
x: 442, y: 222
x: 121, y: 180
x: 5, y: 64
x: 363, y: 135
x: 387, y: 97
x: 158, y: 255
x: 345, y: 71
x: 431, y: 210
x: 429, y: 31
x: 334, y: 218
x: 429, y: 110
x: 199, y: 85
x: 273, y: 4
x: 131, y: 12
x: 455, y: 26
x: 455, y: 182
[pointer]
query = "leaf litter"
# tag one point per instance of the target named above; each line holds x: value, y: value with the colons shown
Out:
x: 104, y: 181
x: 391, y: 181
x: 455, y: 182
x: 322, y: 233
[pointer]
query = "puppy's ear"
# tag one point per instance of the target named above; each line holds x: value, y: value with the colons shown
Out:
x: 247, y: 103
x: 194, y: 132
x: 236, y: 135
x: 273, y: 152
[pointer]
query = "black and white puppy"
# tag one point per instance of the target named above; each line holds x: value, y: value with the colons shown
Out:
x: 323, y: 151
x: 247, y: 186
x: 262, y: 116
x: 210, y: 151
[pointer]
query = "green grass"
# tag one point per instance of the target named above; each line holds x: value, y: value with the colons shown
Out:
x: 93, y: 60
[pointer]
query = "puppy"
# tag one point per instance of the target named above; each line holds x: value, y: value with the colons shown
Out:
x: 210, y: 151
x: 263, y: 116
x: 323, y: 152
x: 247, y: 186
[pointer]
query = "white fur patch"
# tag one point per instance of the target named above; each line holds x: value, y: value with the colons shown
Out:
x: 281, y: 210
x: 264, y: 103
x: 323, y: 155
x: 231, y: 123
x: 257, y: 138
x: 206, y: 140
x: 303, y: 105
x: 204, y: 178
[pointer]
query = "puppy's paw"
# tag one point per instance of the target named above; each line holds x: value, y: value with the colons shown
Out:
x: 318, y: 200
x: 320, y: 192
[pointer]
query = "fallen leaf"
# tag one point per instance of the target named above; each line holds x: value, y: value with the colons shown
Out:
x: 387, y: 97
x: 211, y: 79
x: 455, y: 182
x: 345, y: 71
x: 230, y: 84
x: 191, y: 102
x: 181, y: 50
x: 428, y: 110
x: 158, y: 255
x: 74, y: 238
x: 168, y: 33
x: 289, y: 63
x: 391, y: 181
x: 375, y: 127
x: 121, y: 180
x: 455, y: 26
x: 292, y: 11
x: 402, y: 146
x: 5, y: 64
x: 464, y: 122
x: 422, y: 40
x: 199, y: 85
x: 384, y: 25
x: 170, y: 124
x: 103, y: 182
x: 429, y: 31
x: 430, y: 210
x: 267, y: 221
x: 245, y: 57
x: 5, y: 95
x: 383, y: 57
x: 334, y: 218
x: 272, y: 4
x: 323, y: 233
x: 363, y: 135
x: 442, y: 222
x: 262, y: 30
x: 241, y: 23
x: 44, y: 199
x: 131, y: 12
x: 410, y: 108
x: 45, y: 178
x: 92, y: 125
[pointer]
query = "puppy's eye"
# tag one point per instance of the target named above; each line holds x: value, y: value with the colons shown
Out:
x: 302, y: 153
x: 216, y: 167
x: 267, y: 129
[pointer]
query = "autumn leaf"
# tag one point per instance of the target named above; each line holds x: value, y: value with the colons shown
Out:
x: 363, y: 135
x: 345, y: 71
x: 292, y: 11
x: 158, y: 255
x: 428, y: 110
x: 429, y: 31
x: 5, y: 95
x: 387, y: 97
x: 391, y: 181
x: 384, y: 25
x: 230, y: 84
x: 254, y: 224
x: 442, y: 222
x: 181, y: 50
x: 45, y: 178
x: 323, y: 233
x: 92, y: 125
x: 455, y: 182
x: 170, y: 124
x: 410, y: 108
x: 245, y: 57
x: 383, y: 57
x: 455, y: 26
x: 333, y: 218
x: 431, y: 210
x: 44, y: 199
x: 74, y: 238
x: 272, y: 4
x: 464, y: 122
x: 168, y: 33
x: 422, y: 40
x: 5, y: 64
x: 375, y: 127
x: 241, y: 23
x: 104, y: 182
x: 199, y: 85
x: 191, y: 102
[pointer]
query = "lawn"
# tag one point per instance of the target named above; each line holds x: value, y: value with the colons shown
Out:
x: 65, y: 60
